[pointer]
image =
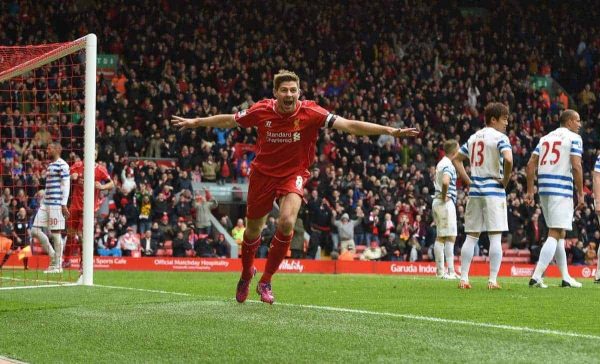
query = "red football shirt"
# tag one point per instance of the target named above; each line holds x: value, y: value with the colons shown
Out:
x: 286, y: 143
x: 100, y: 175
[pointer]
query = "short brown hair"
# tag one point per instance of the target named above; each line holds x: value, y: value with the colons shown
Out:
x: 284, y: 76
x: 450, y: 146
x: 567, y: 115
x: 494, y: 110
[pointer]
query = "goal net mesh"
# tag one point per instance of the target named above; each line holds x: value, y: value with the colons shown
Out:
x: 42, y: 100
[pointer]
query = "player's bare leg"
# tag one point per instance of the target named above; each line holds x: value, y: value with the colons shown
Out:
x: 252, y: 239
x: 288, y: 213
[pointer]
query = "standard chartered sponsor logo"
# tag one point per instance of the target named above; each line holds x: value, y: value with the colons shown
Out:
x: 282, y: 137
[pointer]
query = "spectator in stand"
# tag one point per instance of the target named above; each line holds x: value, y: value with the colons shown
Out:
x: 148, y: 244
x: 203, y: 247
x: 373, y: 252
x: 578, y: 253
x: 225, y: 221
x: 108, y: 245
x: 345, y: 228
x: 180, y: 245
x: 165, y: 227
x: 267, y: 235
x: 221, y: 247
x: 320, y: 214
x: 297, y: 244
x: 203, y: 206
x: 157, y: 235
x: 183, y: 208
x: 237, y: 233
x: 129, y: 242
x: 210, y: 169
x: 145, y: 213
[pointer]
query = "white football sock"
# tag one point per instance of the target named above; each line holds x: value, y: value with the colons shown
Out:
x: 58, y: 248
x: 449, y: 252
x: 466, y: 256
x: 438, y: 250
x: 546, y: 255
x: 561, y: 260
x: 43, y: 238
x: 495, y: 256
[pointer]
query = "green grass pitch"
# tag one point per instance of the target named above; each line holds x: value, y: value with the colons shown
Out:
x: 193, y: 317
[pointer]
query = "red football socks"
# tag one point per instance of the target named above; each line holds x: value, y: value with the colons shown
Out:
x: 279, y: 247
x: 249, y: 249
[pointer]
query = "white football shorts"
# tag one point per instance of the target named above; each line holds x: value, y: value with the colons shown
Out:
x: 444, y: 215
x: 486, y: 214
x: 50, y: 217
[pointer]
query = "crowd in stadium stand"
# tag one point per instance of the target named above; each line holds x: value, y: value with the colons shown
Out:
x: 401, y: 63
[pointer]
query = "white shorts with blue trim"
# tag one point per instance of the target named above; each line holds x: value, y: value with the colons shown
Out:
x: 486, y: 214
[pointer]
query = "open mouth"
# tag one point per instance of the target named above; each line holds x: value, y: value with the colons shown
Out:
x: 288, y: 103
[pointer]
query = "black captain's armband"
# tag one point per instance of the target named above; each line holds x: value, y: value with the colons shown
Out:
x: 331, y: 118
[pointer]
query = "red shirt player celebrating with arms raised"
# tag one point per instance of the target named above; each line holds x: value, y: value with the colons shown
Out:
x: 102, y: 181
x: 288, y: 130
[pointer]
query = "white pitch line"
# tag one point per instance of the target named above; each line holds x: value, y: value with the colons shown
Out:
x: 7, y: 360
x: 396, y: 315
x: 42, y: 286
x: 442, y: 320
x: 55, y: 283
x: 144, y: 290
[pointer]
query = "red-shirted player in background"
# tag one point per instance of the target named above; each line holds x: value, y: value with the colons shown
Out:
x: 75, y: 222
x: 287, y: 130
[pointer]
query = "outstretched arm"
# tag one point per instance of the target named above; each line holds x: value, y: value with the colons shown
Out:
x: 224, y: 121
x: 364, y: 128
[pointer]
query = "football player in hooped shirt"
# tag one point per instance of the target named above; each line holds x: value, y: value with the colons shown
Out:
x: 287, y: 130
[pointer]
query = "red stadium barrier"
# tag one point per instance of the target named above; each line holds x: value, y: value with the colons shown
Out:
x: 300, y: 266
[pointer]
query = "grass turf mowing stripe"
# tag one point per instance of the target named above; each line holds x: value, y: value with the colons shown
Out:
x: 389, y: 314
